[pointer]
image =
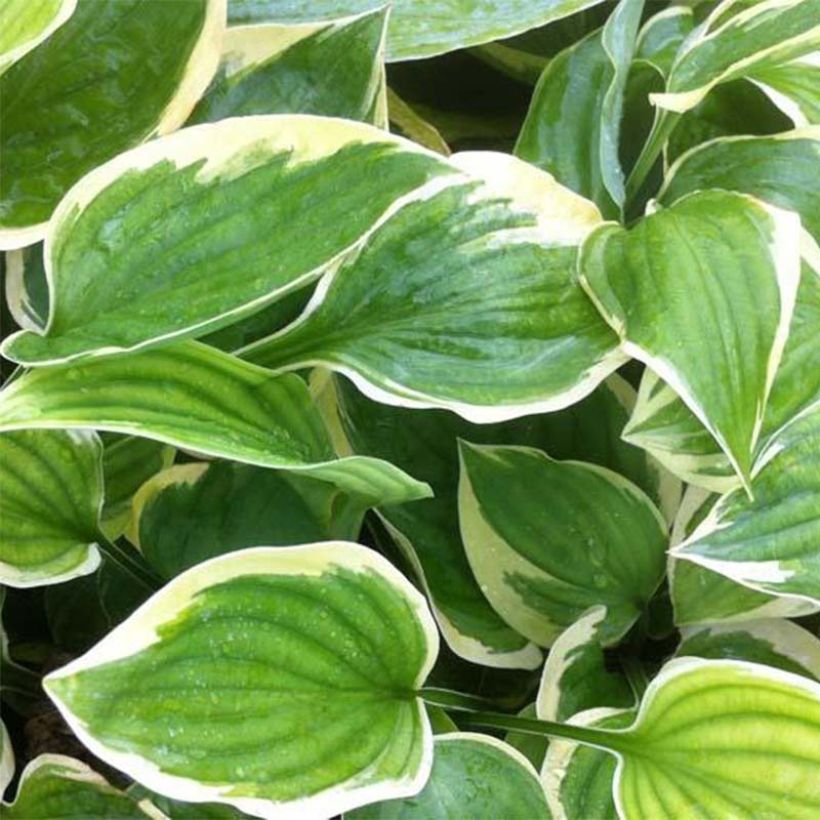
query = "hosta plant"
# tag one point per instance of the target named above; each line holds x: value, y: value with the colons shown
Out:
x: 410, y: 410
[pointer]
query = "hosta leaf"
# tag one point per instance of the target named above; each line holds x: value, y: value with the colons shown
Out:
x: 732, y: 45
x: 573, y: 124
x: 794, y: 88
x: 725, y: 269
x: 419, y: 28
x: 738, y: 108
x: 769, y: 542
x: 203, y: 200
x: 701, y: 596
x: 578, y: 779
x: 474, y: 776
x: 128, y: 463
x: 24, y: 24
x: 463, y: 302
x: 662, y: 35
x: 179, y: 810
x: 533, y: 747
x: 721, y: 738
x: 116, y: 73
x: 49, y: 506
x: 424, y: 443
x: 335, y: 69
x: 6, y: 758
x: 413, y: 126
x: 548, y: 539
x: 776, y: 642
x: 662, y: 424
x: 783, y: 169
x: 193, y: 512
x: 53, y: 787
x: 27, y: 287
x: 192, y: 396
x: 302, y: 666
x: 575, y: 677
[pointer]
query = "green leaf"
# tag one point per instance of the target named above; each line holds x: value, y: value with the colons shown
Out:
x: 335, y: 69
x: 6, y: 758
x: 776, y: 642
x: 419, y: 28
x: 727, y: 47
x: 794, y: 88
x: 662, y: 35
x: 192, y: 396
x: 27, y: 287
x: 412, y: 125
x: 128, y: 463
x: 573, y: 125
x: 424, y: 443
x: 547, y: 539
x: 518, y: 63
x: 575, y: 677
x: 53, y: 787
x: 193, y: 512
x: 578, y: 779
x: 702, y: 596
x: 533, y: 747
x: 203, y: 199
x: 281, y: 681
x: 178, y: 810
x: 769, y: 543
x: 703, y: 292
x: 738, y: 108
x: 24, y: 24
x: 663, y: 425
x: 50, y: 505
x: 783, y: 170
x: 115, y: 74
x: 474, y: 776
x: 462, y: 301
x: 721, y: 738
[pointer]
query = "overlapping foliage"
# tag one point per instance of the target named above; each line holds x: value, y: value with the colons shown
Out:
x: 367, y: 450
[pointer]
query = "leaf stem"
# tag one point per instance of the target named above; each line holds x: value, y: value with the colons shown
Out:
x: 597, y: 738
x: 131, y: 562
x: 662, y: 128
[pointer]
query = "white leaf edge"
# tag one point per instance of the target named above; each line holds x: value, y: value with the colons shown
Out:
x: 139, y: 632
x: 306, y: 137
x: 13, y: 576
x: 563, y: 218
x: 199, y: 70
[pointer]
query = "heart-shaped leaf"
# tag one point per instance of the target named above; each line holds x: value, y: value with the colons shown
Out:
x: 282, y: 681
x: 50, y: 505
x: 703, y: 293
x: 548, y: 539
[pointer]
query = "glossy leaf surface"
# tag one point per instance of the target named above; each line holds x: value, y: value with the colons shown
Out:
x: 278, y: 681
x: 723, y: 267
x: 192, y: 396
x: 50, y: 505
x: 462, y: 301
x: 548, y: 539
x: 202, y: 200
x: 419, y: 28
x: 116, y: 73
